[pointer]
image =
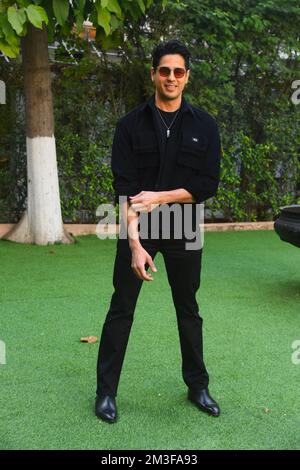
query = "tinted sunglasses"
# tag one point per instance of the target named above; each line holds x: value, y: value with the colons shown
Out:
x: 165, y: 72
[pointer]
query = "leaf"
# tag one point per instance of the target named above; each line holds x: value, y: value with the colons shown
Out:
x: 8, y: 31
x: 36, y: 16
x: 24, y: 32
x: 103, y: 18
x: 79, y: 21
x: 80, y: 4
x: 89, y: 339
x: 104, y: 3
x: 141, y: 5
x: 114, y: 7
x: 24, y: 3
x: 17, y: 18
x: 10, y: 51
x: 110, y: 42
x: 114, y: 23
x: 61, y: 10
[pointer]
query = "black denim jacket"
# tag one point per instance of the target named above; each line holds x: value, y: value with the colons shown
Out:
x: 190, y: 160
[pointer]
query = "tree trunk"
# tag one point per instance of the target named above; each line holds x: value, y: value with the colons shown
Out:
x: 42, y: 222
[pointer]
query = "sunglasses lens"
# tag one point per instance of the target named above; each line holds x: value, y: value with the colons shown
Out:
x: 165, y: 72
x: 179, y: 73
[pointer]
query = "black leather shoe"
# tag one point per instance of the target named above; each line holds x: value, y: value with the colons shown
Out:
x: 106, y: 409
x: 204, y: 401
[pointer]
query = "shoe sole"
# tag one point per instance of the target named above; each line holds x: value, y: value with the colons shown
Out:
x: 107, y: 420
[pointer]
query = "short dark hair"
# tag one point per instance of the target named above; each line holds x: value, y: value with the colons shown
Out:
x: 173, y: 46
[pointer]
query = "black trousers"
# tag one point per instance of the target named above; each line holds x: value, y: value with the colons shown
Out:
x: 183, y: 270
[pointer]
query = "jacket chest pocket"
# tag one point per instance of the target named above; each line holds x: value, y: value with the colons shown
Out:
x: 192, y: 151
x: 146, y: 150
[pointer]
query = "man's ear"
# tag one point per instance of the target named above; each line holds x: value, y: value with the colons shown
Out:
x: 187, y: 75
x: 152, y: 72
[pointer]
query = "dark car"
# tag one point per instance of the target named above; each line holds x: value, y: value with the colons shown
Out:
x: 287, y: 225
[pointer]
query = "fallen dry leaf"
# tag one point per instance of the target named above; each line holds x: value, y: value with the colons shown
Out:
x: 267, y: 410
x: 89, y: 339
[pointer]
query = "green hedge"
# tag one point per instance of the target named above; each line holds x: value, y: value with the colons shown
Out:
x: 244, y: 83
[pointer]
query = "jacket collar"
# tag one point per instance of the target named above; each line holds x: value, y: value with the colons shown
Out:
x: 150, y: 103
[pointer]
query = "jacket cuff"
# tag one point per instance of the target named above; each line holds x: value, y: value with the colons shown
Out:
x: 125, y: 192
x: 200, y: 195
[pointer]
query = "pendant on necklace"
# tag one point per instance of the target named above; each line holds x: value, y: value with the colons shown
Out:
x: 168, y: 133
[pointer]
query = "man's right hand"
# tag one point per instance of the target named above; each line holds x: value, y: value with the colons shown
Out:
x: 140, y: 257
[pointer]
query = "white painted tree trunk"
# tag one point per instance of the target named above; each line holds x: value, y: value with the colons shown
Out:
x: 42, y: 222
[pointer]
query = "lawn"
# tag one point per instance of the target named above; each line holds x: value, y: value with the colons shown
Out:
x: 250, y: 301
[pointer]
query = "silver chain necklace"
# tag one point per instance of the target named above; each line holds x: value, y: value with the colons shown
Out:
x: 173, y: 120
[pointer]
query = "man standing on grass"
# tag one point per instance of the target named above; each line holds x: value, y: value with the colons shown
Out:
x: 165, y: 152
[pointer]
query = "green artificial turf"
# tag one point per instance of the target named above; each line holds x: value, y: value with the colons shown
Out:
x: 250, y: 301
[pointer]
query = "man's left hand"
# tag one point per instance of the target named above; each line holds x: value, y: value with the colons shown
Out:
x: 145, y: 201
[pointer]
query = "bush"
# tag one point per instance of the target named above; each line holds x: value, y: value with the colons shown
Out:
x: 249, y: 189
x: 85, y: 178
